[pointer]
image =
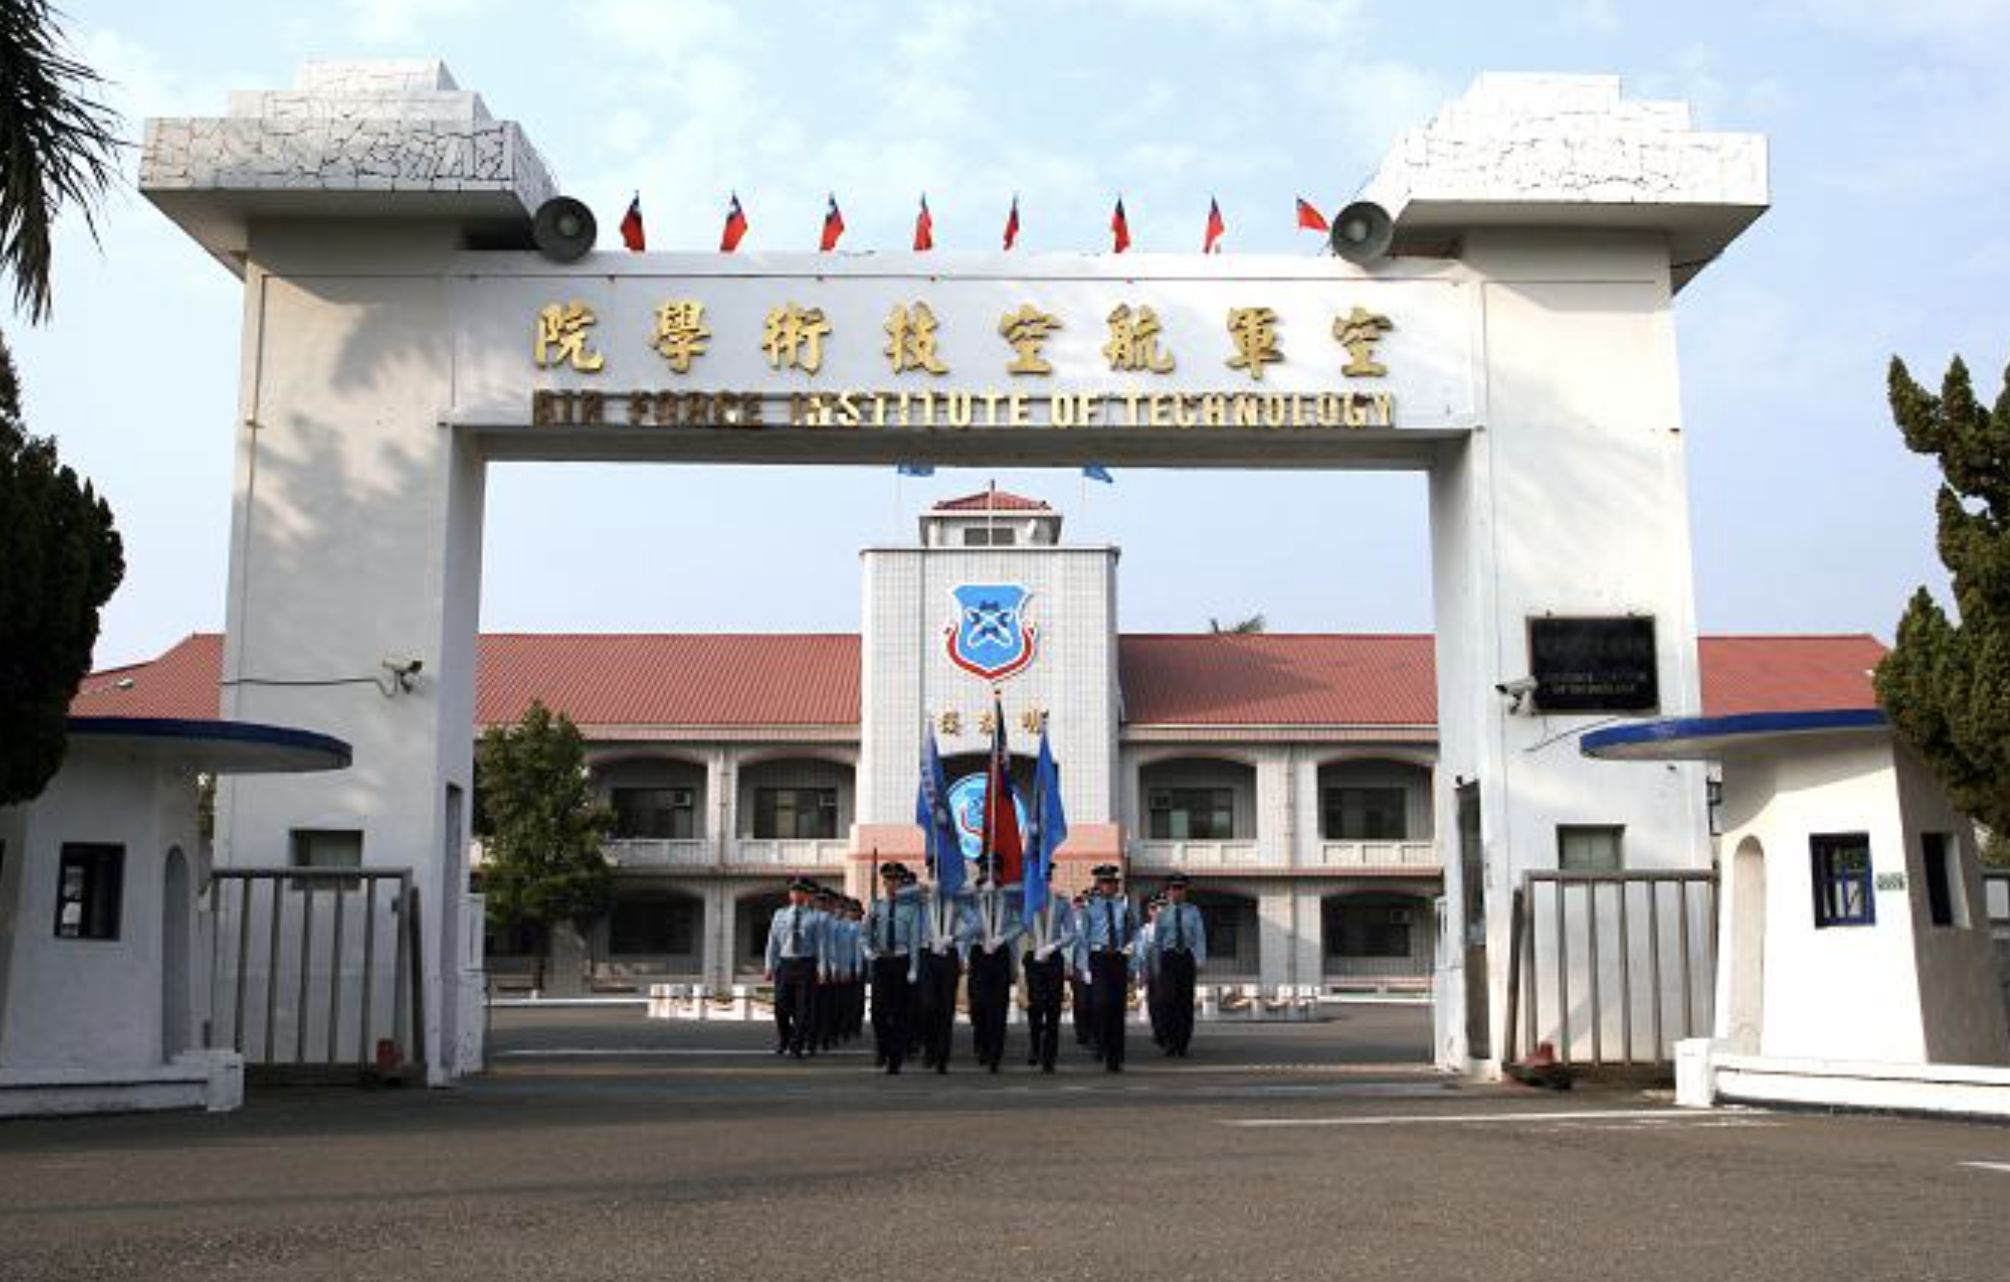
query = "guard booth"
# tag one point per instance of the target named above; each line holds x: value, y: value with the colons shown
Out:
x: 1511, y: 337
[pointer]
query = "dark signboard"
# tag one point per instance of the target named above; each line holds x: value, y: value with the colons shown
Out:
x: 1593, y: 665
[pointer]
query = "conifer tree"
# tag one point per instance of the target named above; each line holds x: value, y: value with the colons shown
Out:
x: 60, y: 559
x: 1946, y: 682
x: 541, y: 825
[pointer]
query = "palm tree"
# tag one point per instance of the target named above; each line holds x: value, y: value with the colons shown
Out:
x: 57, y: 145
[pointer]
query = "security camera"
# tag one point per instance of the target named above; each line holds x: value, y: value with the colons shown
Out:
x: 403, y: 665
x: 1519, y: 688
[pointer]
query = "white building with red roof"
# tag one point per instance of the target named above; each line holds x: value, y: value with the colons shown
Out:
x: 1291, y: 776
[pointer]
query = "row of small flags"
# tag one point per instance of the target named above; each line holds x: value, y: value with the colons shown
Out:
x: 1092, y: 472
x: 633, y: 236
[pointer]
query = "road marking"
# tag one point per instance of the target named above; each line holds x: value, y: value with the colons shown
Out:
x: 1420, y: 1119
x: 1986, y: 1166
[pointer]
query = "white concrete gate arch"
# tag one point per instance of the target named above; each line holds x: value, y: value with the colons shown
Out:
x: 399, y: 335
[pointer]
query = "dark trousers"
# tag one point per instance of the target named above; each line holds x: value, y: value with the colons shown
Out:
x: 990, y: 992
x: 939, y: 973
x: 1110, y: 973
x: 1155, y: 1004
x: 1176, y: 974
x: 889, y: 1009
x: 1043, y: 1007
x: 1081, y: 1009
x: 795, y: 1004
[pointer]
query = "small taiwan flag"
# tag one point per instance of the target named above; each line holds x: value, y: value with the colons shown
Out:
x: 736, y: 226
x: 1120, y: 229
x: 1215, y: 227
x: 631, y: 226
x: 1309, y: 216
x: 1012, y: 224
x: 833, y: 227
x: 924, y: 229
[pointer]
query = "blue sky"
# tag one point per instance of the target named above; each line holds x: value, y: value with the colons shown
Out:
x: 1890, y: 137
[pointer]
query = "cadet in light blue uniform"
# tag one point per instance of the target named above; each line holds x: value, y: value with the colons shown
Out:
x: 1049, y: 947
x: 794, y: 956
x: 1106, y: 955
x: 952, y: 924
x: 995, y: 925
x: 892, y: 935
x: 1179, y: 944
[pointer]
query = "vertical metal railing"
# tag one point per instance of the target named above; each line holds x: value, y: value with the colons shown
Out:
x: 1576, y: 936
x: 312, y: 992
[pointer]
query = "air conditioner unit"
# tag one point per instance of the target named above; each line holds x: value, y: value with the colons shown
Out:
x: 827, y: 801
x: 682, y: 798
x: 1159, y: 799
x: 1399, y: 916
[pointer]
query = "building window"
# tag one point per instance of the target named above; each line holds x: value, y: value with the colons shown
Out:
x: 90, y: 887
x: 1230, y: 919
x: 1590, y: 847
x: 662, y: 813
x: 654, y: 925
x: 989, y: 536
x: 325, y: 848
x: 1369, y: 929
x: 1943, y: 880
x: 786, y: 813
x: 1842, y: 879
x: 1192, y: 814
x: 1366, y: 814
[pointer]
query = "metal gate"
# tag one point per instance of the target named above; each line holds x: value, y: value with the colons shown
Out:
x: 1611, y: 968
x: 317, y: 969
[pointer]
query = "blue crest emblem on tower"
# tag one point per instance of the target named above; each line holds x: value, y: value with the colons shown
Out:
x: 991, y: 639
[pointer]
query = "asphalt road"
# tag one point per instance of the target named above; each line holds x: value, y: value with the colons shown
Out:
x: 602, y: 1146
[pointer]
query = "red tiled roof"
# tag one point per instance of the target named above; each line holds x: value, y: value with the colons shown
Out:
x: 752, y: 680
x: 992, y: 501
x: 1788, y: 674
x: 690, y: 679
x: 180, y: 685
x: 1277, y: 679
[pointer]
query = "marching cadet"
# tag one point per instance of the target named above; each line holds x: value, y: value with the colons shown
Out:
x: 951, y: 922
x: 893, y: 932
x: 823, y: 1007
x: 1049, y: 945
x: 1107, y: 953
x: 855, y: 1001
x: 794, y: 955
x: 1179, y: 946
x: 1079, y: 1008
x: 996, y: 926
x: 1148, y: 970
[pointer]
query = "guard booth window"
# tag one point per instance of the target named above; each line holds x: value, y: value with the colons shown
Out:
x: 90, y: 889
x: 1943, y: 882
x: 1590, y: 847
x: 1842, y: 879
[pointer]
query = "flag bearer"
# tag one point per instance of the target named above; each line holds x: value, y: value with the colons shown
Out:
x: 1048, y: 947
x: 892, y: 936
x: 951, y: 924
x: 997, y: 926
x: 1107, y: 950
x: 1179, y: 939
x: 795, y: 951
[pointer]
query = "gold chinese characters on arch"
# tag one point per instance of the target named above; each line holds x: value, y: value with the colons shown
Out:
x: 919, y: 345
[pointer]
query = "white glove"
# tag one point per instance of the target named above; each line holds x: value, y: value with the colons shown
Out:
x: 1043, y: 952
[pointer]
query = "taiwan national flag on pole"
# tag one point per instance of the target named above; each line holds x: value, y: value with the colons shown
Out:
x: 1211, y: 244
x: 1012, y: 223
x: 938, y: 825
x: 1120, y: 229
x: 736, y: 226
x: 833, y: 227
x: 631, y: 226
x: 1309, y: 216
x: 1004, y: 854
x: 1048, y: 829
x: 924, y: 229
